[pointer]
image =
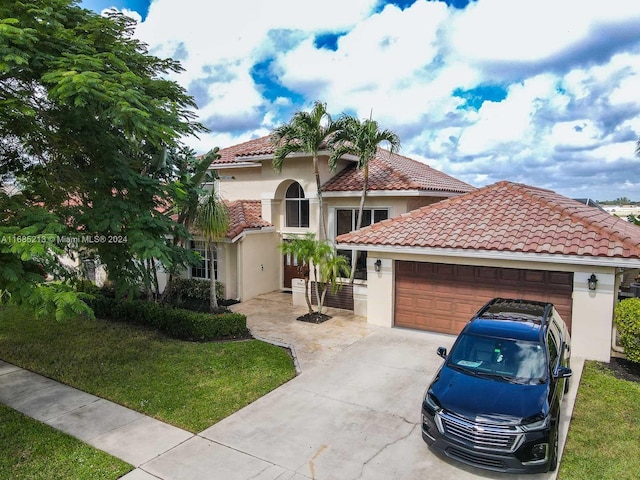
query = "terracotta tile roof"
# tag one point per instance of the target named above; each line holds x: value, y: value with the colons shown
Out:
x: 389, y: 171
x: 234, y: 154
x: 508, y: 217
x: 245, y: 215
x: 386, y: 172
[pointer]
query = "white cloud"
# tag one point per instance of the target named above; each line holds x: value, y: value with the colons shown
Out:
x: 571, y: 70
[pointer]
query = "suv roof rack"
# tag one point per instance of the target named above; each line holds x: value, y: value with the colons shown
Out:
x: 508, y: 309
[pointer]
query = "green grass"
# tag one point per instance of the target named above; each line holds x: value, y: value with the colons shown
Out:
x: 190, y: 385
x: 604, y: 436
x: 32, y: 450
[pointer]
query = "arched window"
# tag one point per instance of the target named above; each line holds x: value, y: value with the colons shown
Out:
x: 296, y: 206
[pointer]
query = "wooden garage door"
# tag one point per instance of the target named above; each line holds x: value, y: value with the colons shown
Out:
x: 442, y: 297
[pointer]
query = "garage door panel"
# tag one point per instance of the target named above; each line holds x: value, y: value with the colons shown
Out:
x: 443, y: 297
x: 486, y: 274
x: 510, y: 275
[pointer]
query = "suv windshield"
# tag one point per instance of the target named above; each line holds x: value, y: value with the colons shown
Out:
x: 512, y: 360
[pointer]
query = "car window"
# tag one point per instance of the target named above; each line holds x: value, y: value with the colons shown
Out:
x: 506, y: 358
x: 552, y: 344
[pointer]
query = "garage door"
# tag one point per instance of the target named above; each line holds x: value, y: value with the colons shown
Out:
x: 442, y: 297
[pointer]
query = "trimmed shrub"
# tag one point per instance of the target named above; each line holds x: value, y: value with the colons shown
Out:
x: 195, y: 288
x: 627, y: 320
x: 175, y: 322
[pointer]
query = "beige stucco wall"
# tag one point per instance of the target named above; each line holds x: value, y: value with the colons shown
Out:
x: 592, y: 312
x: 380, y: 291
x: 258, y: 261
x: 254, y: 182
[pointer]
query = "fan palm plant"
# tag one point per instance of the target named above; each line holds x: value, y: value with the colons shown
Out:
x: 306, y: 132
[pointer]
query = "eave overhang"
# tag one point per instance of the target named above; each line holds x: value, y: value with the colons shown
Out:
x: 390, y: 193
x: 617, y: 262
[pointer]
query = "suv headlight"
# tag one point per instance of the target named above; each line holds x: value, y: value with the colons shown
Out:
x: 431, y: 403
x: 538, y: 425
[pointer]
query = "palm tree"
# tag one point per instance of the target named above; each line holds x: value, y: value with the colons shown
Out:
x: 332, y: 268
x: 361, y: 139
x: 306, y: 132
x: 303, y: 250
x: 212, y: 221
x: 328, y: 267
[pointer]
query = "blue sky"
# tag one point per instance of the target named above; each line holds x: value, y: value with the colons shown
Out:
x: 534, y: 91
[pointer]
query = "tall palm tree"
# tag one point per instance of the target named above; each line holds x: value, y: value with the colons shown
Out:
x: 212, y: 221
x: 361, y: 139
x: 306, y: 132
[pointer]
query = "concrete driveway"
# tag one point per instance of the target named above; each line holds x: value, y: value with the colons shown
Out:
x: 352, y: 414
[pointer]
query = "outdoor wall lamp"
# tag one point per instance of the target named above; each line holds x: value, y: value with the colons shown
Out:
x: 378, y: 265
x: 592, y: 282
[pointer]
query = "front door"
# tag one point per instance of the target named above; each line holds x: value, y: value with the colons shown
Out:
x: 290, y: 270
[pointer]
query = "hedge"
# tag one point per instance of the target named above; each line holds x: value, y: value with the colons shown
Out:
x: 627, y: 319
x: 195, y: 288
x: 175, y: 322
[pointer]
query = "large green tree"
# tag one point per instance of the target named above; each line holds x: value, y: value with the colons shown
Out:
x: 306, y: 132
x: 86, y: 118
x: 361, y: 139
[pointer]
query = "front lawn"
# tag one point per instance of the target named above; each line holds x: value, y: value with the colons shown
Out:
x: 32, y: 450
x: 604, y: 436
x: 187, y: 384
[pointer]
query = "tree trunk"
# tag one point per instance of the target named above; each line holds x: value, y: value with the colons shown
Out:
x: 363, y: 198
x: 322, y: 233
x: 213, y: 299
x: 307, y: 293
x: 315, y: 284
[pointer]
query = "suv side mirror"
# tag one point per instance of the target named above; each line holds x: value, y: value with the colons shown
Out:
x: 442, y: 352
x: 563, y: 372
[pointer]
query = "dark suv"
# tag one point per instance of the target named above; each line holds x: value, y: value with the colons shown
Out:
x: 495, y: 402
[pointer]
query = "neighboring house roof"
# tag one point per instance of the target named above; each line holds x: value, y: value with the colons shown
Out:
x: 390, y: 171
x: 245, y: 215
x: 507, y: 217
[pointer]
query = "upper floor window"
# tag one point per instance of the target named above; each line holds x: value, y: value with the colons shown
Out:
x: 202, y: 269
x: 296, y: 206
x: 347, y: 221
x: 347, y: 218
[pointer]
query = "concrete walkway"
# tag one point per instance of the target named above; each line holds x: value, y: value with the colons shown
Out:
x: 128, y: 435
x: 352, y: 413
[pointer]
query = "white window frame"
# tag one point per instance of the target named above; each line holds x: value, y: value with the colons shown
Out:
x: 354, y: 215
x: 202, y: 248
x: 298, y: 201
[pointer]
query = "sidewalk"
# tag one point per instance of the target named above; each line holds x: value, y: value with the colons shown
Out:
x: 119, y: 431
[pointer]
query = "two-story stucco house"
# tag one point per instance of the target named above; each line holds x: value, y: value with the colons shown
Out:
x: 268, y: 207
